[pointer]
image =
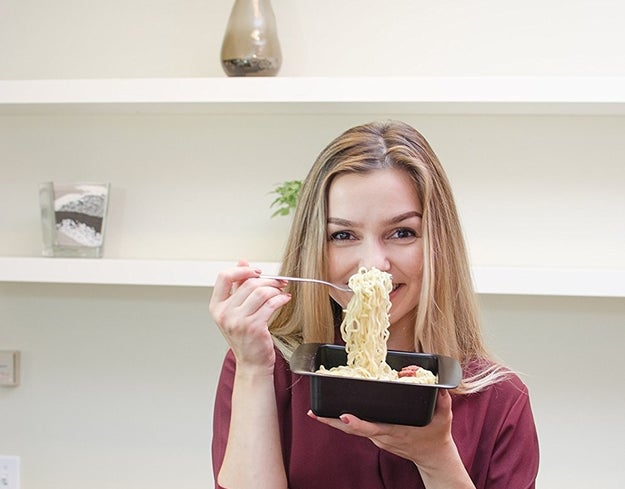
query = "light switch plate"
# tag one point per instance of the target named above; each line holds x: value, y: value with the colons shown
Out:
x: 9, y: 368
x: 9, y: 472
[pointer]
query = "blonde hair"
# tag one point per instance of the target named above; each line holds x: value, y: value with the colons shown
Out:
x: 447, y: 320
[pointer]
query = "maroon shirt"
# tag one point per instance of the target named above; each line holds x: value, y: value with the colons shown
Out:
x: 494, y: 431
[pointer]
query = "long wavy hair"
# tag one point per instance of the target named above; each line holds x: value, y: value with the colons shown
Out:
x: 447, y: 321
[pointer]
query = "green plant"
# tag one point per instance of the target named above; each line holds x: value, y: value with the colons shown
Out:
x: 286, y: 200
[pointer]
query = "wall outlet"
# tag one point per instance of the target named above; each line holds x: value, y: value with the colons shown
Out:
x: 9, y: 472
x: 9, y: 368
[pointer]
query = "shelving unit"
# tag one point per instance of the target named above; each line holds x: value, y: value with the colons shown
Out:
x: 306, y: 95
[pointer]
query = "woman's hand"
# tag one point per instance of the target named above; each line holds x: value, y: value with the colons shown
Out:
x: 430, y: 447
x: 419, y: 444
x: 241, y: 305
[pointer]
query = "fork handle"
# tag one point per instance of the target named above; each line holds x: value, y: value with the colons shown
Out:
x: 279, y: 277
x: 311, y: 280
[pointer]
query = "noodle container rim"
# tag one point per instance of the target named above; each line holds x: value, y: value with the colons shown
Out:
x: 371, y: 399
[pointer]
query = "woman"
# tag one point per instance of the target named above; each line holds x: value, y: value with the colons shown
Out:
x: 377, y: 196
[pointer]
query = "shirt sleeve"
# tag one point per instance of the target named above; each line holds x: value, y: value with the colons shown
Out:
x: 221, y: 413
x: 515, y: 458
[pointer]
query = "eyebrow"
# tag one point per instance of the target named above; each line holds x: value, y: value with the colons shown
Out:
x: 394, y: 220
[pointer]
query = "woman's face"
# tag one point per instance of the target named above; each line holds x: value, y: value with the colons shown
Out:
x: 374, y: 220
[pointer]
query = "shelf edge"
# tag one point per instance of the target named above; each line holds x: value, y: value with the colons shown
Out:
x: 111, y: 271
x: 498, y: 94
x: 196, y: 273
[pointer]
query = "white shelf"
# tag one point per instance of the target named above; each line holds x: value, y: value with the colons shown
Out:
x: 571, y: 282
x: 432, y: 95
x: 188, y: 273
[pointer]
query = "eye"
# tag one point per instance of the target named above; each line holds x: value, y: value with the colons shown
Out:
x: 341, y: 236
x: 403, y: 233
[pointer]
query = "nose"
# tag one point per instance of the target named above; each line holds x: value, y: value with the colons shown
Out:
x: 375, y: 254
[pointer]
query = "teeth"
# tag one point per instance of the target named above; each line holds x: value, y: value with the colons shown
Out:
x: 395, y: 287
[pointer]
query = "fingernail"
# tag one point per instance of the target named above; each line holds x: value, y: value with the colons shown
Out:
x: 344, y: 419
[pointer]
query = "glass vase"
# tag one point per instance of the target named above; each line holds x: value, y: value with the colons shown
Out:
x: 251, y: 46
x: 73, y: 218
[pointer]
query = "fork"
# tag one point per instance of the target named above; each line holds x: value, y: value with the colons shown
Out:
x: 313, y: 280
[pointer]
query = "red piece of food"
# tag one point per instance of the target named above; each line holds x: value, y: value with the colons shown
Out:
x: 409, y: 371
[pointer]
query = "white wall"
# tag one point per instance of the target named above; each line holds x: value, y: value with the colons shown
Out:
x: 117, y: 382
x: 117, y: 386
x: 569, y: 352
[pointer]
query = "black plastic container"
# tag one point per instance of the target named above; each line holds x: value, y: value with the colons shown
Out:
x: 374, y: 400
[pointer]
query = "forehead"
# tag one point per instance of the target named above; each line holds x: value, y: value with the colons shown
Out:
x: 390, y: 188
